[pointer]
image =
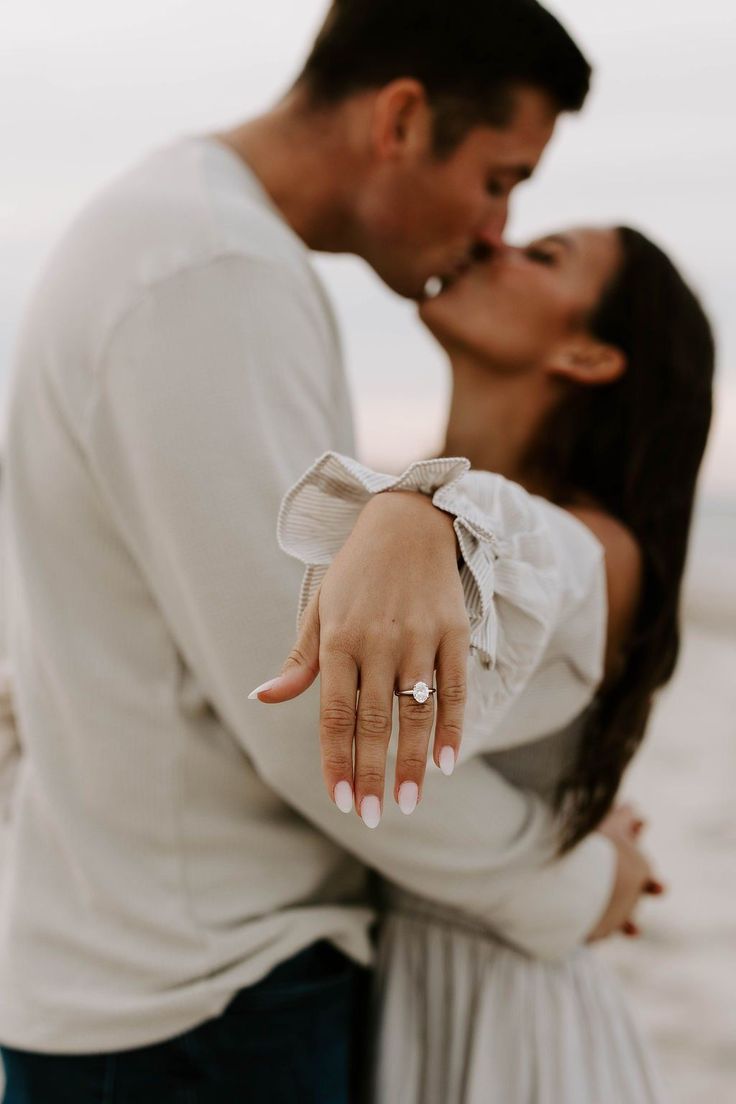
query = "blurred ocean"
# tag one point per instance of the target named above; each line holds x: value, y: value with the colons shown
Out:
x: 681, y: 974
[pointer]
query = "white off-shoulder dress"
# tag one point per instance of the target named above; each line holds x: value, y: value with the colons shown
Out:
x: 461, y: 1014
x: 461, y: 1017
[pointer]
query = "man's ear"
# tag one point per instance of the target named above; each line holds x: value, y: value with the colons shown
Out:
x: 585, y: 360
x: 402, y: 119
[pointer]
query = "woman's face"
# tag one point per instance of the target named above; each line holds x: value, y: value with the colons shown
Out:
x: 516, y: 309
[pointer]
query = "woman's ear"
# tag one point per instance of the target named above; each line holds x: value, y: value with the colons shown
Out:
x: 585, y: 360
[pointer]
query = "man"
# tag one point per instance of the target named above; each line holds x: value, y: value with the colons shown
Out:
x: 183, y: 908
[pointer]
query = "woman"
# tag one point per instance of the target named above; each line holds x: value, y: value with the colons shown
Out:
x: 582, y: 370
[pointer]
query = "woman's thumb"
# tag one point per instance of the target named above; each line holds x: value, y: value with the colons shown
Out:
x: 302, y: 665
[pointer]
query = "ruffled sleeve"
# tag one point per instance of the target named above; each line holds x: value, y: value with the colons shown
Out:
x: 530, y: 571
x: 318, y: 514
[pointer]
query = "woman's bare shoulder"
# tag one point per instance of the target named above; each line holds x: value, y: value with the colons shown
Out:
x: 623, y: 574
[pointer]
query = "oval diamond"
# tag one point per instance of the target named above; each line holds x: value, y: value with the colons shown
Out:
x: 420, y: 692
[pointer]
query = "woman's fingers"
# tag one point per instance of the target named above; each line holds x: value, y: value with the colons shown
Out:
x: 416, y: 718
x: 302, y: 665
x: 633, y: 872
x: 623, y: 822
x: 391, y: 597
x: 653, y: 887
x: 372, y: 737
x: 338, y: 692
x: 452, y: 667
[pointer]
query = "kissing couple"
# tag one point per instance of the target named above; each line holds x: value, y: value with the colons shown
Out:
x: 186, y: 914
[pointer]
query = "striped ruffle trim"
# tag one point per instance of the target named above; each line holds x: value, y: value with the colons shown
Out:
x: 318, y: 514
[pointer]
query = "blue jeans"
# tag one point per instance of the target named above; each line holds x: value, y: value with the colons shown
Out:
x: 294, y: 1038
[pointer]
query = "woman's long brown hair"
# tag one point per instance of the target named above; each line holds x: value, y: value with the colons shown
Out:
x: 635, y: 446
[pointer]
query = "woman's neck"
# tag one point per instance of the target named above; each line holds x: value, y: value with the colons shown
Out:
x: 494, y: 417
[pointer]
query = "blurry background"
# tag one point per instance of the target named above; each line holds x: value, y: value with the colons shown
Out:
x: 86, y: 88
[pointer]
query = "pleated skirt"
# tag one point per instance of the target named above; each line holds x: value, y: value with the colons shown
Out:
x: 461, y: 1018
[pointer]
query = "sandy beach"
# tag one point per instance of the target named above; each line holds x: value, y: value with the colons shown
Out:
x: 680, y: 975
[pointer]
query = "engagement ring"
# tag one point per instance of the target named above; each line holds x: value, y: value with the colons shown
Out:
x: 419, y: 692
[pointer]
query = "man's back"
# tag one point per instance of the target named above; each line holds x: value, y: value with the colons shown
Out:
x: 151, y: 872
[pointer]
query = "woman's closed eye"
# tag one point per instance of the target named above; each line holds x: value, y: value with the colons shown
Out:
x: 541, y: 255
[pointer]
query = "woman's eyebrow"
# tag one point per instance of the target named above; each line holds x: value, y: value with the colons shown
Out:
x: 562, y: 239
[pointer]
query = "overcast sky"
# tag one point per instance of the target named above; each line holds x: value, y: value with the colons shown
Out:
x: 87, y: 87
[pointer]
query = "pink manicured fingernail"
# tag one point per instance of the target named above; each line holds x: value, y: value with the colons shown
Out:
x: 447, y: 761
x: 260, y: 689
x: 370, y: 811
x: 344, y: 797
x: 408, y: 797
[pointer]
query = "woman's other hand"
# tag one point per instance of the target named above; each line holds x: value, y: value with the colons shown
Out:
x: 634, y: 875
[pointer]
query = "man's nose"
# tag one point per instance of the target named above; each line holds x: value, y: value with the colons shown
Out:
x: 491, y: 232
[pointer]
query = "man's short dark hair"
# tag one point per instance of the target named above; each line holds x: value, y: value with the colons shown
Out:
x: 470, y: 55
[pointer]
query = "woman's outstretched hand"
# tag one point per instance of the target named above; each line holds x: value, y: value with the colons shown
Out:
x: 634, y: 876
x: 390, y: 611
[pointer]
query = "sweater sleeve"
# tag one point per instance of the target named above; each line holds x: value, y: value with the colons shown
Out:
x: 206, y: 406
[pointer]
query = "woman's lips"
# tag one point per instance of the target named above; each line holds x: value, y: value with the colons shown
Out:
x: 440, y: 283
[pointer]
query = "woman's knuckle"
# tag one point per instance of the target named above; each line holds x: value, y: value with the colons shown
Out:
x: 457, y: 628
x: 373, y: 721
x: 337, y: 640
x: 296, y: 656
x: 418, y: 718
x: 416, y: 634
x: 338, y: 765
x: 380, y: 633
x: 338, y: 718
x: 454, y: 692
x: 371, y: 779
x: 451, y: 731
x: 413, y: 763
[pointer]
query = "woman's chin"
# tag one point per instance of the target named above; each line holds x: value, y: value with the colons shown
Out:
x: 444, y: 314
x: 435, y: 306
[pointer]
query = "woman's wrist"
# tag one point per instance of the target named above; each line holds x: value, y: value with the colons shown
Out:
x: 415, y: 504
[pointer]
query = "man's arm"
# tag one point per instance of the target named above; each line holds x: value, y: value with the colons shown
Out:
x: 192, y: 443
